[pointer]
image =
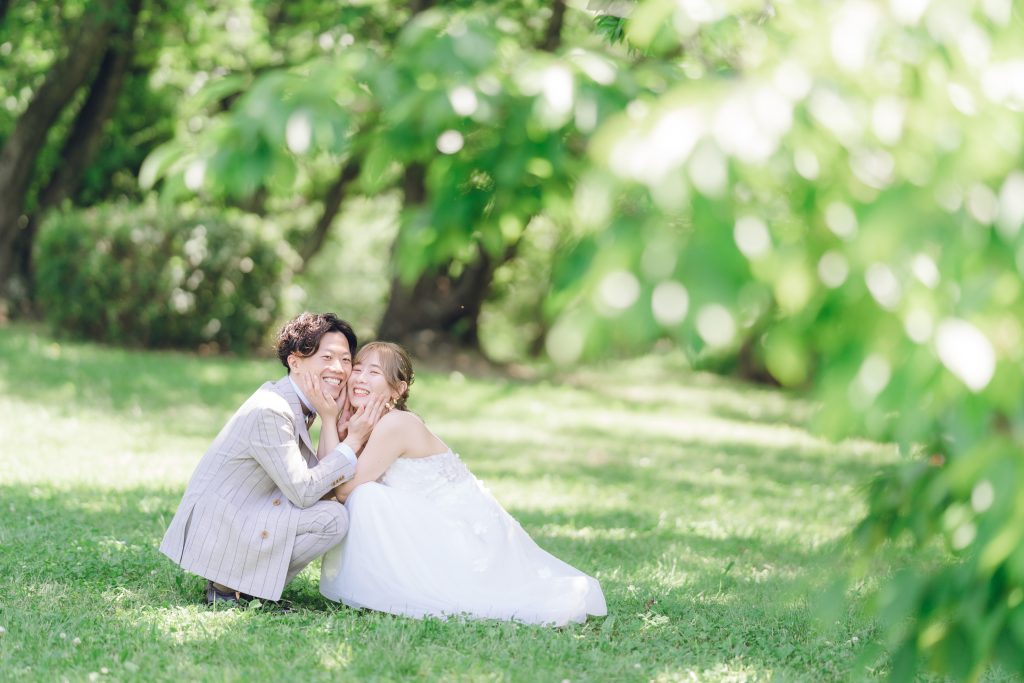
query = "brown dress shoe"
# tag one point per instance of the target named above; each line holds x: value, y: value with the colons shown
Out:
x: 215, y: 595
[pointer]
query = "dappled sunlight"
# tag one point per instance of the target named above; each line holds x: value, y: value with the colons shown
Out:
x: 738, y: 673
x: 51, y: 591
x: 693, y: 428
x: 334, y: 657
x: 587, y: 533
x: 124, y: 598
x: 82, y: 380
x: 214, y: 374
x: 95, y: 446
x: 547, y: 494
x: 550, y: 427
x: 822, y: 197
x: 695, y: 515
x: 191, y: 624
x: 664, y: 384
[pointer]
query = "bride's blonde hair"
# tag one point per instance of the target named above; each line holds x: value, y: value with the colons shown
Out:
x: 397, y: 367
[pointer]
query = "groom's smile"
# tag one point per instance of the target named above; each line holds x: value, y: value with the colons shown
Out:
x: 335, y: 383
x: 331, y: 362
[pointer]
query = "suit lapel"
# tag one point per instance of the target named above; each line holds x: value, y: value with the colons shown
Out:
x: 285, y: 388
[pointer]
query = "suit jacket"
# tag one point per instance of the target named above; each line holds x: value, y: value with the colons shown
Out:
x: 236, y: 522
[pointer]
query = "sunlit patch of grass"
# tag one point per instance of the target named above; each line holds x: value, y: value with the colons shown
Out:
x: 181, y: 626
x: 709, y: 513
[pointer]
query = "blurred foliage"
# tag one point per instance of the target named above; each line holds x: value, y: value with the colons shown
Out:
x: 831, y: 188
x: 514, y: 322
x: 486, y: 117
x: 143, y: 119
x: 31, y: 38
x: 830, y: 192
x: 852, y: 196
x: 155, y: 276
x: 350, y: 273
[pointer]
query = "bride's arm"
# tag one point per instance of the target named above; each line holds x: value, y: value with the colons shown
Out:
x: 386, y: 444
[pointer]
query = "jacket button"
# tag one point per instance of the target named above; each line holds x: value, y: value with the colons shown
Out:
x: 277, y: 501
x: 264, y: 534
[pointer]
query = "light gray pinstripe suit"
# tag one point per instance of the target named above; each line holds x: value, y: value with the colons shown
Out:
x: 251, y: 517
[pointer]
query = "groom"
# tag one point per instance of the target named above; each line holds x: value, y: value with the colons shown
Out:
x: 252, y: 515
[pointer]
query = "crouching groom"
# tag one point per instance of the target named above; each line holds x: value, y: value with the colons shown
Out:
x: 252, y: 516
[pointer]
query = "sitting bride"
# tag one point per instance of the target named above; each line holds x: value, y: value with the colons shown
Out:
x: 426, y: 538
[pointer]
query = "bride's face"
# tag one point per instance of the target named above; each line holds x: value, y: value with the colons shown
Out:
x: 368, y: 381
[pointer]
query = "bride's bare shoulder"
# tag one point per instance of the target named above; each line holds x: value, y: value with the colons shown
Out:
x: 419, y: 440
x: 401, y: 419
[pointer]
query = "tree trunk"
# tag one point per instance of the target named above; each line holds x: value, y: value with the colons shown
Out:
x: 82, y: 143
x: 86, y: 135
x: 438, y: 309
x: 440, y: 312
x: 22, y: 148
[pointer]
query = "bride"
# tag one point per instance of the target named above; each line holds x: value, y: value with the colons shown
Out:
x: 426, y: 538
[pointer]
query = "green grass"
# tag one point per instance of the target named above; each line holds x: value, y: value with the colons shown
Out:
x: 707, y: 511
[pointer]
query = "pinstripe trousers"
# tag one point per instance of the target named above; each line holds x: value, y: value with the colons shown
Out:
x: 320, y: 528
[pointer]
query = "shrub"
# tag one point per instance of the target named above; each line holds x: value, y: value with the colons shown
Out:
x: 160, y: 277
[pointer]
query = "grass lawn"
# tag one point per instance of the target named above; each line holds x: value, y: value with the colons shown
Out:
x: 708, y: 513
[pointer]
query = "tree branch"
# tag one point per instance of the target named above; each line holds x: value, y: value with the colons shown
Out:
x: 417, y: 6
x: 553, y: 35
x: 86, y: 134
x: 332, y: 205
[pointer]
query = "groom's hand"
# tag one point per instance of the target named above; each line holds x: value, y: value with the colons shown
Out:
x: 363, y: 421
x: 325, y: 405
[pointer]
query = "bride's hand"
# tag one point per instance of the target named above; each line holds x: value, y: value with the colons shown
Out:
x: 362, y: 422
x: 344, y: 416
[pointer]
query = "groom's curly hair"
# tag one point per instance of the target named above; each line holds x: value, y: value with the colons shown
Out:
x: 302, y: 335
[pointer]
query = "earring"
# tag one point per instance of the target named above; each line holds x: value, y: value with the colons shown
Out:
x: 390, y: 405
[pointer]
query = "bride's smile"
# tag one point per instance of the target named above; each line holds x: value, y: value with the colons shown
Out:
x: 368, y: 380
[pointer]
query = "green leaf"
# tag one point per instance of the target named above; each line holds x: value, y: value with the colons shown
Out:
x: 159, y: 162
x: 217, y: 90
x: 378, y: 166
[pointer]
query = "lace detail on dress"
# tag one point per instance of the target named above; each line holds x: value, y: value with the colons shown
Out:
x: 452, y: 467
x: 426, y: 473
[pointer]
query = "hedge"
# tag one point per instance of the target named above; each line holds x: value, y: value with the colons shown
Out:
x: 148, y: 275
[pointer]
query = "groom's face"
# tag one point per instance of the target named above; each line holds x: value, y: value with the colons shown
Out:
x: 332, y: 363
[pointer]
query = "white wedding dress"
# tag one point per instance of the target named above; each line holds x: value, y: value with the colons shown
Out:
x: 428, y: 539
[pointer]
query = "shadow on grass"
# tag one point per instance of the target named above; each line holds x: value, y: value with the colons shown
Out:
x: 664, y: 384
x: 124, y: 381
x: 689, y: 467
x: 697, y: 540
x: 78, y: 557
x: 129, y: 380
